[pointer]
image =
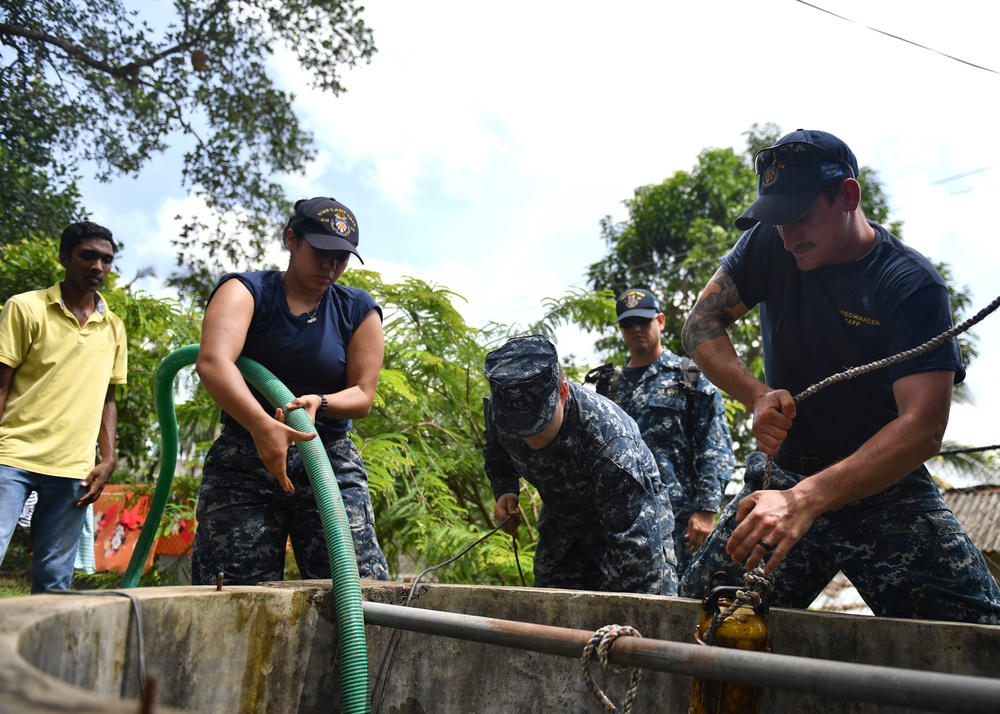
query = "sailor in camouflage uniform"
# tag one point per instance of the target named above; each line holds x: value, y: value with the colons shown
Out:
x: 606, y: 520
x: 682, y: 420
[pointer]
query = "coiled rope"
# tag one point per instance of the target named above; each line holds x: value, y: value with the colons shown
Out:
x: 758, y: 584
x: 601, y: 644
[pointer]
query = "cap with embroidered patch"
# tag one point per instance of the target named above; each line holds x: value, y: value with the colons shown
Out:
x: 524, y: 384
x: 793, y: 172
x: 327, y: 224
x: 636, y: 302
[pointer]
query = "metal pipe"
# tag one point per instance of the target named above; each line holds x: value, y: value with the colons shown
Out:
x: 916, y: 689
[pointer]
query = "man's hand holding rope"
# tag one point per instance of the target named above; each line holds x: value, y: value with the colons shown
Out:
x: 773, y: 412
x: 771, y: 522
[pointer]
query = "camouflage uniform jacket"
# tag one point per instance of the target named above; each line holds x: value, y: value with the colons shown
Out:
x: 685, y: 427
x: 599, y: 487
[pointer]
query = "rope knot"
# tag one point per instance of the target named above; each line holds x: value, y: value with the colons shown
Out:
x: 758, y: 586
x: 601, y: 643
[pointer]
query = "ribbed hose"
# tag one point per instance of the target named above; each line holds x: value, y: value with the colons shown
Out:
x: 163, y: 391
x: 336, y: 527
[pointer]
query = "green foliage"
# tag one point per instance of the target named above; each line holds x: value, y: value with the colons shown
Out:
x: 761, y: 136
x: 39, y: 192
x: 590, y: 311
x: 155, y: 328
x: 961, y: 304
x: 17, y: 559
x: 199, y: 72
x: 37, y: 198
x: 14, y: 585
x: 671, y: 243
x: 112, y: 580
x: 422, y: 444
x: 675, y: 233
x: 965, y: 465
x: 29, y: 264
x: 181, y: 501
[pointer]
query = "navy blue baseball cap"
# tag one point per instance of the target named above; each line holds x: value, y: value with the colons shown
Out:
x: 524, y: 383
x: 636, y: 302
x: 327, y: 224
x: 793, y: 172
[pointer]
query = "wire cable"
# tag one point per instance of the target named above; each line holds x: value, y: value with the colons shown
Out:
x: 897, y: 37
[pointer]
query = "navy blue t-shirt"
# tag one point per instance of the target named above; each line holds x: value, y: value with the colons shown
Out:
x: 822, y: 322
x: 308, y: 358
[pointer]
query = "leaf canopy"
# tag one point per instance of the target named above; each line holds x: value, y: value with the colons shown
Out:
x: 118, y: 84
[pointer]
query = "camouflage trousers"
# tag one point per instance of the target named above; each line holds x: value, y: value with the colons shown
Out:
x: 903, y: 550
x: 245, y: 519
x: 571, y: 559
x: 578, y: 569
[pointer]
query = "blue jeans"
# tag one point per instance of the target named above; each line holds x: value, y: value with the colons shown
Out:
x: 55, y: 525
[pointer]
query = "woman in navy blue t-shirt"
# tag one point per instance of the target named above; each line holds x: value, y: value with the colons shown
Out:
x: 323, y: 341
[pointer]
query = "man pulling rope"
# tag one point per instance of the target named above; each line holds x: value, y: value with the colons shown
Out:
x: 848, y: 489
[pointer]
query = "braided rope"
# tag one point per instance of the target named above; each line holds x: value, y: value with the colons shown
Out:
x: 601, y: 642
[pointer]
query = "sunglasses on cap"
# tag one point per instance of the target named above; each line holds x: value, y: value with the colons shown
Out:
x: 794, y: 152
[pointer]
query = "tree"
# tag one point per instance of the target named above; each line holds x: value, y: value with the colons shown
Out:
x: 422, y: 443
x: 38, y: 192
x: 671, y: 243
x: 94, y: 81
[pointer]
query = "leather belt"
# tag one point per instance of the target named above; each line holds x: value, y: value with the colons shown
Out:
x: 805, y: 465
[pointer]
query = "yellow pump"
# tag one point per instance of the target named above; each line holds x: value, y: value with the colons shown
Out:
x: 744, y: 629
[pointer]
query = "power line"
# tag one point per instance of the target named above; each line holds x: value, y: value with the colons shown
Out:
x: 961, y: 175
x: 897, y: 37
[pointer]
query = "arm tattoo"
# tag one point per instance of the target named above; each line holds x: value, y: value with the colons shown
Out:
x: 712, y: 314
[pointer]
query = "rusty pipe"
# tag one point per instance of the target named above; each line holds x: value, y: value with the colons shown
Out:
x: 916, y: 689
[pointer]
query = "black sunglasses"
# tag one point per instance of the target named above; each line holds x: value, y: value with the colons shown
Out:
x: 630, y: 322
x: 794, y: 152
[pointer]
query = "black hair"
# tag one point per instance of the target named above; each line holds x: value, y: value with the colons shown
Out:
x: 76, y: 233
x: 299, y: 235
x: 831, y: 191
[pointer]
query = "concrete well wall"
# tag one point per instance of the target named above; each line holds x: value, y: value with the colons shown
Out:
x: 274, y: 649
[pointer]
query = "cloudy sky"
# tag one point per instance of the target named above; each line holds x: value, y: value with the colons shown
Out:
x: 484, y: 143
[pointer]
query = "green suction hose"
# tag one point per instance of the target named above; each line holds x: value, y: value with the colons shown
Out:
x: 336, y: 527
x: 163, y: 391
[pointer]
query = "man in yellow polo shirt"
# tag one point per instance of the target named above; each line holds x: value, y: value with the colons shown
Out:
x: 61, y: 354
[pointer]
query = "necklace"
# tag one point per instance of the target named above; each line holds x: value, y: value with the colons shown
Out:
x: 311, y: 313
